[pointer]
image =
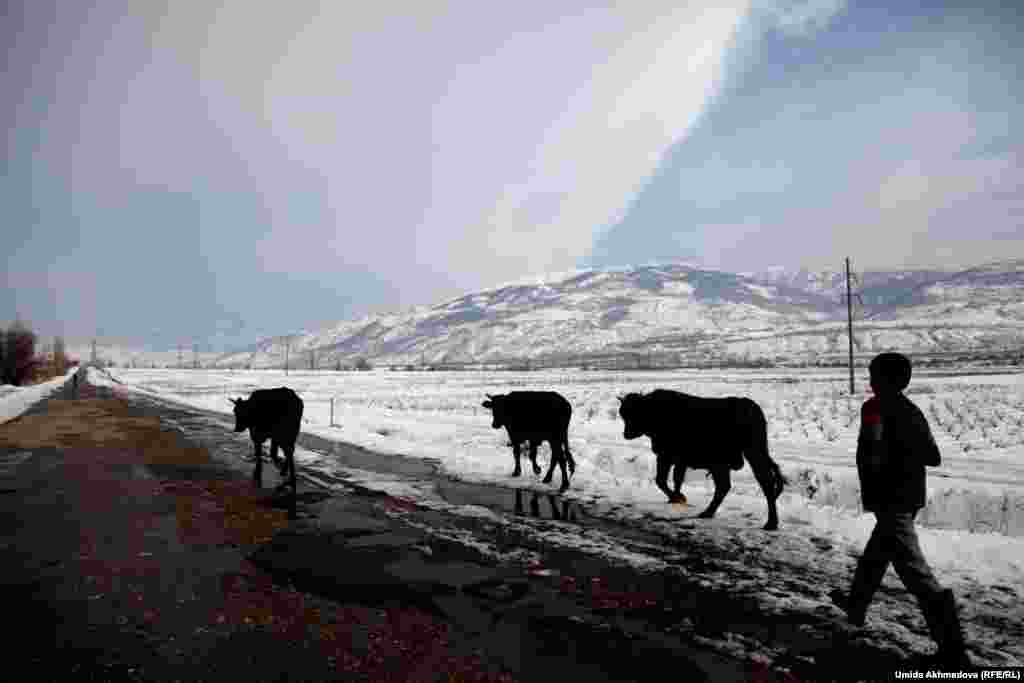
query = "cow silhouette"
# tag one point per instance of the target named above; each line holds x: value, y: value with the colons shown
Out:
x: 274, y: 414
x: 714, y: 434
x: 534, y: 417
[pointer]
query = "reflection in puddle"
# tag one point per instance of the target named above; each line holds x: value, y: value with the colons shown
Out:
x: 566, y: 512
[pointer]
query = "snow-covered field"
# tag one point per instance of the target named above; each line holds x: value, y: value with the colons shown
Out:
x: 16, y: 400
x: 973, y: 524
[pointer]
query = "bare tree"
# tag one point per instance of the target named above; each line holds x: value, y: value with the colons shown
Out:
x: 19, y: 354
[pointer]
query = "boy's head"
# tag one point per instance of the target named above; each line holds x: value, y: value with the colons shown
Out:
x: 890, y: 373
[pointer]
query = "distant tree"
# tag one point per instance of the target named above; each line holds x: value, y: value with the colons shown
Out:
x: 363, y: 364
x: 19, y: 361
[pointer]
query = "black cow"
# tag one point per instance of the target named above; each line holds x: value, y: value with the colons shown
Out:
x: 535, y: 416
x: 704, y: 433
x: 275, y: 414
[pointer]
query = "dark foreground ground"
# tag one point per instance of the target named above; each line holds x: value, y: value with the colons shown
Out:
x: 131, y: 551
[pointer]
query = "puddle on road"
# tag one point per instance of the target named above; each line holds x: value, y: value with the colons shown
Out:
x: 355, y: 457
x: 209, y: 429
x: 522, y: 502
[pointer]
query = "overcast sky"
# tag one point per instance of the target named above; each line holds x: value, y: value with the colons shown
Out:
x: 228, y: 170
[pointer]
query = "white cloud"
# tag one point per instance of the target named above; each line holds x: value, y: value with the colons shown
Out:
x: 612, y: 134
x: 800, y: 17
x: 481, y: 144
x: 934, y: 210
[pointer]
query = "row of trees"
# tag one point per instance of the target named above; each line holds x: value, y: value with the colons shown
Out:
x: 19, y: 362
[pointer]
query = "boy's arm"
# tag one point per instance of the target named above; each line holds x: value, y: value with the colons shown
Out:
x: 870, y: 447
x: 922, y: 443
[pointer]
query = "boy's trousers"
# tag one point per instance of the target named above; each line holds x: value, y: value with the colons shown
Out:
x: 894, y: 540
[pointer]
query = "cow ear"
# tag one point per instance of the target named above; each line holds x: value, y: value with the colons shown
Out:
x: 233, y: 400
x: 486, y: 404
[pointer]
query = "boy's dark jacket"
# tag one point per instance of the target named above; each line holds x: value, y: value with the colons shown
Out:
x: 891, y: 460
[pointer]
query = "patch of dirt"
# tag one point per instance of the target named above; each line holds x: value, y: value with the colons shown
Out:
x: 93, y: 423
x: 217, y: 512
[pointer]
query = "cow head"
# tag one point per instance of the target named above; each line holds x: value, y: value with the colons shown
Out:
x: 497, y: 406
x: 632, y: 414
x: 241, y: 414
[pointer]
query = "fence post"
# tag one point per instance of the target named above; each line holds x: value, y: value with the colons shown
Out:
x: 332, y: 411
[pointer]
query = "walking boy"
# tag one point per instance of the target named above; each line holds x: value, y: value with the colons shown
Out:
x: 893, y: 448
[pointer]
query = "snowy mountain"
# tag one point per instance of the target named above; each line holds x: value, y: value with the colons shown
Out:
x: 679, y: 311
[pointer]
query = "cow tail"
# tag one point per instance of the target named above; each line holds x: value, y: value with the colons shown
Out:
x: 766, y: 470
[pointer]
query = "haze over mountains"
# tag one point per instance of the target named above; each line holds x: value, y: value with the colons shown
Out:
x: 675, y: 312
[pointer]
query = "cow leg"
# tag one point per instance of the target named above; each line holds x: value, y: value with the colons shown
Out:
x: 287, y: 470
x: 556, y: 451
x: 678, y: 475
x: 569, y: 458
x: 555, y: 457
x: 533, y: 456
x: 286, y: 465
x: 273, y: 456
x: 661, y: 476
x: 723, y: 483
x: 257, y: 473
x: 515, y: 456
x: 290, y: 464
x: 289, y: 461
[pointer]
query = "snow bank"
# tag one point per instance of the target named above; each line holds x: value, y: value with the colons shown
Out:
x: 16, y: 400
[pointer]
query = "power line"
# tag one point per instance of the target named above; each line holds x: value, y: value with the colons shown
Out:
x: 849, y: 320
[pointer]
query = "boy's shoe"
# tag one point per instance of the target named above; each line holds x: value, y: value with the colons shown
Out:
x: 940, y: 613
x: 855, y: 614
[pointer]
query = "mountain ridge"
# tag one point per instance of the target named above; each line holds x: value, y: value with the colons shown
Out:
x: 677, y: 309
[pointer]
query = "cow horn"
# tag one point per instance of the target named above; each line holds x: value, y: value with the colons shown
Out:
x: 233, y: 400
x: 488, y: 396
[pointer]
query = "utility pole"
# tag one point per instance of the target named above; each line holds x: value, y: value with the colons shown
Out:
x: 195, y: 356
x: 312, y: 359
x: 287, y: 348
x: 849, y: 320
x: 93, y: 359
x: 180, y: 365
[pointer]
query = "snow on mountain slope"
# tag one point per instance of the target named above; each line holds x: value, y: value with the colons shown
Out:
x: 679, y: 310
